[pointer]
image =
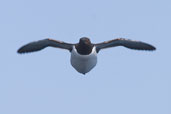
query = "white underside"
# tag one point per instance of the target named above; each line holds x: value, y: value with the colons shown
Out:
x: 83, y: 63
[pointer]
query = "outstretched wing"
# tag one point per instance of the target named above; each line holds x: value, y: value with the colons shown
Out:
x: 41, y: 44
x: 138, y: 45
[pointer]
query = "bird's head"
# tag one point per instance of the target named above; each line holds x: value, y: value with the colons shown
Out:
x: 84, y: 41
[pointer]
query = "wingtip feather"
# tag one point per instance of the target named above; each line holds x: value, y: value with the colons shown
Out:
x: 152, y: 48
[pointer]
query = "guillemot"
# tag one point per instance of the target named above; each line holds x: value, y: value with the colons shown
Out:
x: 84, y: 53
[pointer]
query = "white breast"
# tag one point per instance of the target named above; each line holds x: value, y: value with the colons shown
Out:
x: 83, y: 63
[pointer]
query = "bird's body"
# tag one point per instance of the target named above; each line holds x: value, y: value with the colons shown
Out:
x: 84, y: 53
x: 83, y: 63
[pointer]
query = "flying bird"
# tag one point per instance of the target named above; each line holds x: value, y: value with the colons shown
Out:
x: 84, y: 53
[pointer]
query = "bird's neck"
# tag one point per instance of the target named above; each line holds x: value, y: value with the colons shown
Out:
x: 84, y: 49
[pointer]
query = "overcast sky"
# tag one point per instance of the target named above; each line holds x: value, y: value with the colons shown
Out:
x: 123, y: 82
